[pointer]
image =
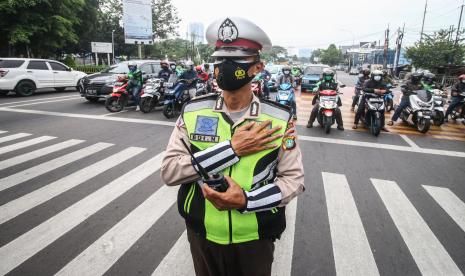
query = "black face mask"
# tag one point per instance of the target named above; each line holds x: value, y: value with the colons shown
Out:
x: 231, y: 75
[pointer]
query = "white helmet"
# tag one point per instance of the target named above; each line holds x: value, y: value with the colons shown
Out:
x: 132, y: 64
x: 189, y: 63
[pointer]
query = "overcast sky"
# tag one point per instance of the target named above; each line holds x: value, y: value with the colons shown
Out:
x: 316, y: 24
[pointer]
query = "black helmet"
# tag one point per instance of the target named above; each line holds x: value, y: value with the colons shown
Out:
x: 385, y: 72
x: 328, y: 74
x: 416, y: 76
x: 366, y: 72
x: 428, y: 78
x: 377, y: 75
x: 286, y: 70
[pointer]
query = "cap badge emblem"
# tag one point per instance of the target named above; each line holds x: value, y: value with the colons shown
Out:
x: 228, y: 31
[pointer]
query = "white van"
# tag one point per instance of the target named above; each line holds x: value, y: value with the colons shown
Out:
x: 25, y: 75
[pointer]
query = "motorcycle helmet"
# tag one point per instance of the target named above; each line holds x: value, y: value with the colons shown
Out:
x: 132, y: 66
x: 385, y: 72
x: 164, y: 64
x: 328, y: 74
x: 286, y: 70
x: 366, y: 72
x: 190, y: 65
x: 206, y: 67
x: 377, y: 75
x: 428, y: 78
x: 199, y: 70
x: 415, y: 77
x: 173, y: 65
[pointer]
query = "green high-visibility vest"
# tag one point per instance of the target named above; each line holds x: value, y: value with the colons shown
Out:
x: 256, y: 170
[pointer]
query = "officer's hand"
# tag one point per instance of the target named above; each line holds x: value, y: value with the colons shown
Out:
x: 232, y: 199
x: 253, y: 137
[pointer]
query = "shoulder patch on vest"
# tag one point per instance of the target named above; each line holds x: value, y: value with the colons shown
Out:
x: 289, y: 142
x: 278, y: 110
x: 202, y: 102
x: 205, y: 129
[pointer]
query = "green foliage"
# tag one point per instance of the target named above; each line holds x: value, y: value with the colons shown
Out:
x: 69, y: 60
x: 331, y: 56
x: 89, y: 69
x: 436, y: 50
x: 274, y: 53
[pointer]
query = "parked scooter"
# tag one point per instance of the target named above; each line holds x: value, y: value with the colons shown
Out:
x: 175, y: 98
x: 286, y: 96
x: 152, y: 95
x: 120, y: 97
x: 374, y: 112
x: 419, y: 113
x: 328, y: 100
x: 439, y: 98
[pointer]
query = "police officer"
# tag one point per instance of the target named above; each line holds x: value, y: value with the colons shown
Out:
x: 252, y: 142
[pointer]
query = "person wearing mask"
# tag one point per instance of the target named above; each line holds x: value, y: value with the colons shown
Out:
x: 165, y: 71
x: 286, y: 77
x: 252, y: 143
x: 135, y: 81
x: 413, y: 84
x: 326, y: 83
x: 206, y: 68
x: 428, y: 82
x: 373, y: 85
x: 190, y: 76
x: 358, y: 86
x: 456, y: 98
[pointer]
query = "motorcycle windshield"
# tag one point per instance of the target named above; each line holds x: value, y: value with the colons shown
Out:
x: 285, y: 86
x: 424, y: 95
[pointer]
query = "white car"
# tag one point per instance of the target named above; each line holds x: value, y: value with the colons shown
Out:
x: 25, y: 75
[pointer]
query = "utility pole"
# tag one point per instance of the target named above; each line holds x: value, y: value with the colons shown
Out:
x: 423, y: 24
x: 400, y: 36
x: 458, y: 28
x: 386, y: 48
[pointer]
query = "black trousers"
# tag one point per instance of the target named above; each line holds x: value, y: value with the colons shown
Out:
x: 252, y: 258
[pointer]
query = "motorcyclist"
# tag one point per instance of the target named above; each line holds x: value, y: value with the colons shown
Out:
x: 265, y: 75
x: 413, y: 84
x: 134, y: 82
x: 165, y: 71
x: 326, y: 83
x: 296, y: 73
x: 190, y: 76
x: 358, y: 86
x: 286, y: 77
x: 206, y: 68
x: 374, y: 85
x: 456, y: 98
x: 428, y: 82
x: 201, y: 74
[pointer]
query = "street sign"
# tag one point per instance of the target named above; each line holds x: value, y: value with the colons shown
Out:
x: 101, y: 47
x: 137, y: 21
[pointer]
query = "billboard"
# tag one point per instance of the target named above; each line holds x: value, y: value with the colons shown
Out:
x: 137, y: 21
x: 101, y: 47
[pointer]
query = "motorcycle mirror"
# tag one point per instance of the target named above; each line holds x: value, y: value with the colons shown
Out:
x: 144, y: 73
x: 342, y: 86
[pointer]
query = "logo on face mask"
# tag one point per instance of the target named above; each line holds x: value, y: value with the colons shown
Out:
x: 240, y: 73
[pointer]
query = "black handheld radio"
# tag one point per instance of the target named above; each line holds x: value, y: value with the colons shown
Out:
x: 215, y: 181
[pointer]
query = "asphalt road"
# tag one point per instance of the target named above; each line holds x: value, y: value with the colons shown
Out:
x: 76, y: 181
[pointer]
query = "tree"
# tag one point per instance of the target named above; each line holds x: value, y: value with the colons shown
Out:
x: 276, y: 53
x: 436, y: 50
x: 331, y: 56
x: 164, y: 18
x: 315, y: 55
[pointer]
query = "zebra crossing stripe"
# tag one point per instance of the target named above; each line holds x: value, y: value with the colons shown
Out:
x: 13, y: 137
x: 33, y: 199
x: 284, y: 250
x: 25, y: 144
x: 178, y: 262
x: 27, y: 245
x: 352, y: 253
x: 51, y: 165
x: 453, y: 206
x: 2, y: 131
x: 103, y: 253
x: 429, y: 254
x: 37, y: 153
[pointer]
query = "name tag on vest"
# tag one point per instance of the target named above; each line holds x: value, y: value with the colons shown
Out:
x: 204, y: 138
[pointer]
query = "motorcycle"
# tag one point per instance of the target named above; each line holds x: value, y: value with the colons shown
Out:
x: 175, y: 98
x: 328, y: 100
x: 257, y: 86
x: 286, y: 96
x: 120, y: 97
x: 438, y: 109
x: 374, y: 112
x: 389, y: 99
x: 152, y: 95
x: 420, y: 110
x: 200, y: 89
x: 459, y: 111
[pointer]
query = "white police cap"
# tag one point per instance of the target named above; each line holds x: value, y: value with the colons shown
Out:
x: 237, y: 37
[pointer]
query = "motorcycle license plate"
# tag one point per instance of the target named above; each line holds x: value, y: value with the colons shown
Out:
x: 376, y: 100
x: 168, y: 84
x: 91, y: 91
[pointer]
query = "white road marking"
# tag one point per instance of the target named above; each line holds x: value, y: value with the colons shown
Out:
x: 38, y: 100
x: 382, y: 146
x: 51, y: 165
x: 103, y: 253
x: 427, y: 251
x: 2, y: 131
x: 39, y: 196
x: 86, y: 116
x: 43, y: 102
x: 13, y: 137
x: 409, y: 141
x: 284, y: 247
x: 30, y: 243
x: 25, y: 144
x: 114, y: 113
x: 453, y: 206
x: 178, y: 262
x: 352, y: 252
x: 37, y: 153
